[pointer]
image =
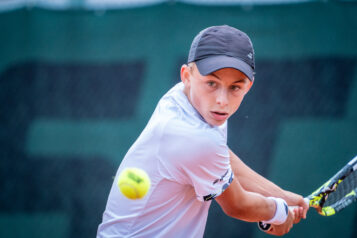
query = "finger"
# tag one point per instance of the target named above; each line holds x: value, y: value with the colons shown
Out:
x: 295, y: 210
x: 271, y: 231
x: 294, y: 215
x: 306, y: 207
x: 305, y: 211
x: 297, y: 220
x: 301, y: 212
x: 297, y: 216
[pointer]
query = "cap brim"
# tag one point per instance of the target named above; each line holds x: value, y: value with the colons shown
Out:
x: 214, y: 63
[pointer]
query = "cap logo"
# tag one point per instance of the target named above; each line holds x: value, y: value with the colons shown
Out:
x: 250, y: 56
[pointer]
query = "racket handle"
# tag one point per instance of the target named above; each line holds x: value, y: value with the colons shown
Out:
x: 266, y: 227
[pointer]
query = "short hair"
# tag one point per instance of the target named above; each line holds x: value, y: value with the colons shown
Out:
x: 190, y: 66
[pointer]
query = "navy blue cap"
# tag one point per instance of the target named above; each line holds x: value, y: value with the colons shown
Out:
x: 219, y: 47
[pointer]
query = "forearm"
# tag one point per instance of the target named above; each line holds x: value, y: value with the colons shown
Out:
x: 254, y: 182
x: 247, y: 206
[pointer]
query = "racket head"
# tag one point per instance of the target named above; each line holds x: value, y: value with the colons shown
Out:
x: 338, y: 192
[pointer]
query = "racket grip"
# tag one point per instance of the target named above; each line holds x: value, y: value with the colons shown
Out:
x: 266, y: 227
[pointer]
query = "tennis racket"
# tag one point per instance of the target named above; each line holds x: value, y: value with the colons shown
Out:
x: 334, y: 195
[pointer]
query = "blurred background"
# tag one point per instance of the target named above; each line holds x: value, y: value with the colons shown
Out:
x: 79, y: 80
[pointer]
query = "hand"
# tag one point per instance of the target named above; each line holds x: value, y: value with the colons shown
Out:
x: 284, y: 228
x: 300, y: 211
x: 300, y: 206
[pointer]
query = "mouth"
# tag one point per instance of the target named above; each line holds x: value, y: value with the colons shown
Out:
x: 219, y: 116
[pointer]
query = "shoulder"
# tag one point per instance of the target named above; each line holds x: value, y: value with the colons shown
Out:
x: 191, y: 140
x: 191, y: 130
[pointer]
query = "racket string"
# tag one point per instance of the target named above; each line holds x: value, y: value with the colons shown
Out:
x: 343, y: 189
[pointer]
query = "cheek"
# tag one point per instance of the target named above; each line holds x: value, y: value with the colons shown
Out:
x: 196, y: 100
x: 236, y: 103
x: 199, y: 101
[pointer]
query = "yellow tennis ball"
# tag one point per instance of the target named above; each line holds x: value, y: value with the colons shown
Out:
x: 134, y: 183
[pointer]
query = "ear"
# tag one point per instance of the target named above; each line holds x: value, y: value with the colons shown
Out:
x: 250, y: 86
x: 185, y: 75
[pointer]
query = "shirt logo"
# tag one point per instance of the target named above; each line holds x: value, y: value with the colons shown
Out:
x: 209, y: 197
x: 224, y: 187
x: 221, y: 178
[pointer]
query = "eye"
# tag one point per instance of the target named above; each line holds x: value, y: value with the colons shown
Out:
x: 235, y: 88
x: 211, y: 84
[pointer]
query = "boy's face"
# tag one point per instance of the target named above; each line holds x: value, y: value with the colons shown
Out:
x: 216, y: 96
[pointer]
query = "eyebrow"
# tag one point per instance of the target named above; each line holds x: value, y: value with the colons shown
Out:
x: 237, y: 81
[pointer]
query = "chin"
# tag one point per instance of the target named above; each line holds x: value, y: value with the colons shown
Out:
x: 216, y: 123
x: 220, y: 123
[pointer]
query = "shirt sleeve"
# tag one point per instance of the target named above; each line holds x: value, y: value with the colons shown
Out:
x: 196, y: 157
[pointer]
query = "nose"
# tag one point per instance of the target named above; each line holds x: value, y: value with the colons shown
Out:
x: 222, y: 97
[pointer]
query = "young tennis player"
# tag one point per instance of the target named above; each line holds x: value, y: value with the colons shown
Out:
x: 184, y: 151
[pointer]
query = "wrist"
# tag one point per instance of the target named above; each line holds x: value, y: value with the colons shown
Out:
x: 292, y: 199
x: 281, y: 212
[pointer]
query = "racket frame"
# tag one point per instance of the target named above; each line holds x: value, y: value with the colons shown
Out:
x: 318, y: 198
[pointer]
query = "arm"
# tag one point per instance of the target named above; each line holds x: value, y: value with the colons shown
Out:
x: 252, y: 207
x: 252, y: 181
x: 241, y: 204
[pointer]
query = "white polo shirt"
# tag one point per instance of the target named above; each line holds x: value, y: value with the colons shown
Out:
x: 187, y: 161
